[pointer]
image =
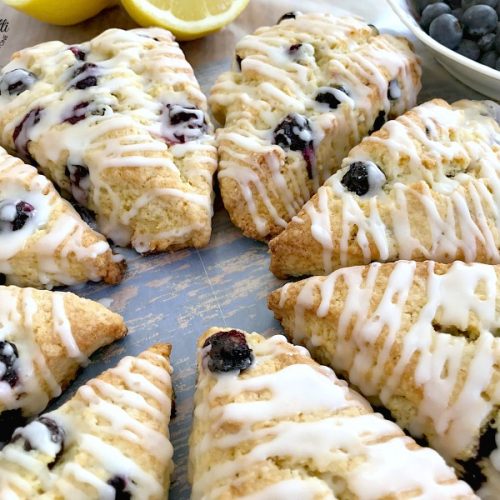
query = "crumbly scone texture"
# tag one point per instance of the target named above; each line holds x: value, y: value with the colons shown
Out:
x: 335, y: 77
x: 44, y: 338
x: 110, y: 440
x: 425, y: 186
x: 50, y: 244
x: 119, y: 122
x: 287, y: 427
x: 419, y: 339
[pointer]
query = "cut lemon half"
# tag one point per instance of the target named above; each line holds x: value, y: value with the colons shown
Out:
x: 61, y: 12
x: 186, y: 19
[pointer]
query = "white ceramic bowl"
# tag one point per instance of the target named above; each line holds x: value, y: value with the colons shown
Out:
x: 477, y: 76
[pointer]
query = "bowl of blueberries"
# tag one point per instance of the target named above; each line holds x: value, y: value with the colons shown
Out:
x: 463, y: 35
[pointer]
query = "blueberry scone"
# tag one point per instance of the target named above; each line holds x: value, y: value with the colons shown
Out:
x: 303, y: 93
x: 110, y: 441
x: 44, y: 338
x: 43, y: 240
x: 419, y: 339
x: 120, y: 123
x: 270, y: 423
x: 425, y: 186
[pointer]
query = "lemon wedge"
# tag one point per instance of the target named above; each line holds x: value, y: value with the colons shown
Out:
x: 186, y: 19
x: 61, y: 12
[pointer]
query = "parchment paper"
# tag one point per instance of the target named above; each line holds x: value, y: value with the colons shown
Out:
x: 174, y: 297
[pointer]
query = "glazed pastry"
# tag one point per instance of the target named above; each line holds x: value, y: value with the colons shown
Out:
x: 270, y: 423
x: 43, y: 241
x: 421, y: 339
x: 120, y: 123
x: 425, y: 186
x: 110, y: 441
x: 44, y: 338
x: 302, y: 94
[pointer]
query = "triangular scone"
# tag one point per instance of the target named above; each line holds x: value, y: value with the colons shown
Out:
x: 43, y: 241
x: 121, y: 123
x: 269, y: 422
x: 44, y: 338
x: 425, y: 186
x: 302, y: 94
x: 110, y: 440
x: 420, y: 339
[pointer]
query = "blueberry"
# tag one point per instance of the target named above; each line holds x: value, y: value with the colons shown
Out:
x: 15, y: 82
x: 357, y: 178
x: 470, y: 3
x: 458, y: 13
x: 55, y: 444
x: 238, y: 61
x: 454, y: 3
x: 88, y: 73
x: 422, y: 4
x: 21, y: 132
x: 393, y: 90
x: 379, y: 121
x: 294, y: 48
x: 120, y: 484
x: 80, y: 182
x: 489, y: 59
x: 82, y: 110
x: 78, y: 113
x: 79, y: 54
x: 469, y: 49
x: 8, y: 358
x: 446, y: 30
x: 288, y: 15
x: 479, y: 20
x: 486, y: 42
x: 228, y: 351
x: 24, y: 211
x: 497, y: 39
x: 431, y: 12
x: 183, y: 123
x: 374, y: 29
x: 330, y: 96
x: 293, y: 133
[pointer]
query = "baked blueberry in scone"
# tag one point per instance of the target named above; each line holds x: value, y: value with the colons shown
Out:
x: 425, y: 186
x: 421, y: 340
x: 271, y: 423
x: 121, y: 124
x: 110, y: 440
x: 301, y: 95
x: 43, y: 241
x: 44, y: 338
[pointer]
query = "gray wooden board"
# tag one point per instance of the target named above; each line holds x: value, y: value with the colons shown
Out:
x: 175, y: 297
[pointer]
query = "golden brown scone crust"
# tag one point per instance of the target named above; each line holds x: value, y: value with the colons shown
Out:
x: 287, y: 427
x: 436, y: 200
x: 116, y: 438
x: 54, y: 334
x: 283, y: 68
x: 55, y: 246
x: 119, y: 122
x: 417, y: 338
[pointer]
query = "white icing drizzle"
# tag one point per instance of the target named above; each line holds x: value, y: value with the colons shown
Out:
x: 54, y: 232
x: 441, y: 199
x: 96, y: 421
x: 139, y: 73
x: 274, y: 83
x: 303, y: 414
x: 453, y: 375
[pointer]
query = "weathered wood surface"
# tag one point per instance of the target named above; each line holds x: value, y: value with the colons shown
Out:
x: 175, y: 297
